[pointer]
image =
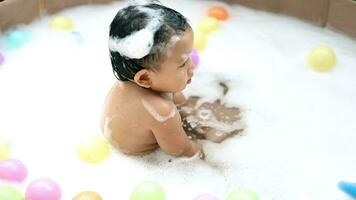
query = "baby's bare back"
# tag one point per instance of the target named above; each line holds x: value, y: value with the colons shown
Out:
x: 125, y: 122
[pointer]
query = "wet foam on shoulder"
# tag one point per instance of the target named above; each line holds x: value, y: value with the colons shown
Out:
x: 150, y: 108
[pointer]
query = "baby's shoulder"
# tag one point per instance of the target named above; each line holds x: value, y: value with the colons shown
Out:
x: 159, y: 107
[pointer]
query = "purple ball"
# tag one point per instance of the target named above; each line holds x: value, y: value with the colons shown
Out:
x: 13, y: 170
x: 206, y: 197
x: 2, y: 58
x: 43, y: 189
x: 195, y: 57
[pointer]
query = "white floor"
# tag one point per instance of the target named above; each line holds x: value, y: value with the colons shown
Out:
x: 301, y: 130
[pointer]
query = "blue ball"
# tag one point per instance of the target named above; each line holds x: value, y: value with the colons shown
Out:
x: 16, y: 38
x: 348, y: 188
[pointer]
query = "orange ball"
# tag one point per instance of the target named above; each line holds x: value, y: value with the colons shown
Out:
x: 88, y: 195
x: 218, y: 12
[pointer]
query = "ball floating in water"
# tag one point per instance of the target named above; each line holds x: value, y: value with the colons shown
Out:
x: 62, y: 23
x: 208, y: 25
x: 88, y: 195
x: 148, y: 190
x: 10, y: 193
x: 218, y: 12
x: 200, y: 41
x: 4, y: 152
x: 2, y: 60
x: 43, y: 189
x: 206, y: 197
x: 77, y: 37
x: 322, y: 58
x: 348, y: 188
x: 93, y: 149
x: 16, y: 38
x: 13, y: 170
x: 242, y: 194
x: 195, y: 57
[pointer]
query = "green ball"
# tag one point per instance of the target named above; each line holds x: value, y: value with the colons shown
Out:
x: 10, y: 193
x: 148, y: 190
x: 242, y: 194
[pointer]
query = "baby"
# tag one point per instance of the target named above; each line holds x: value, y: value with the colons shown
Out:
x: 150, y: 48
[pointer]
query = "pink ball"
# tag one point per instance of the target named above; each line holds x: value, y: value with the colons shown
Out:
x: 206, y: 197
x: 13, y: 170
x: 43, y: 189
x: 195, y: 57
x: 2, y: 58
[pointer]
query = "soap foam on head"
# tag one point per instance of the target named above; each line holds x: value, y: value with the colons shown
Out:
x: 140, y: 43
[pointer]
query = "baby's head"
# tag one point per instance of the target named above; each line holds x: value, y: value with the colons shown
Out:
x: 150, y: 45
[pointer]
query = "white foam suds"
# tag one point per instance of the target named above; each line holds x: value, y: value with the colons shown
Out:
x: 107, y: 130
x: 172, y: 42
x: 138, y: 44
x: 152, y: 110
x: 300, y: 135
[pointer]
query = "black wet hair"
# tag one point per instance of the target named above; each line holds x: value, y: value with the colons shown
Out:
x: 132, y: 19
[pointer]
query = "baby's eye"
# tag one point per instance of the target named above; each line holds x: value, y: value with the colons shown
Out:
x: 185, y: 63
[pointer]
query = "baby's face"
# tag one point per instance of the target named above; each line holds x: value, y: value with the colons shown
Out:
x: 176, y: 70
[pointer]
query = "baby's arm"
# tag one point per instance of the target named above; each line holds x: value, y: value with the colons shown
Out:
x: 172, y: 138
x: 180, y: 100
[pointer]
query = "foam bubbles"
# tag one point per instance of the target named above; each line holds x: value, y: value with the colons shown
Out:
x: 155, y: 114
x: 140, y: 43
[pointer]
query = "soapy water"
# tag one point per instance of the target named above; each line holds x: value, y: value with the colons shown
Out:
x: 299, y: 140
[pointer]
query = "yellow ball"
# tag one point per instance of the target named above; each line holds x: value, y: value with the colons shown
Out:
x: 200, y: 41
x: 4, y: 152
x: 208, y: 25
x: 88, y: 195
x: 62, y: 23
x: 93, y: 149
x: 322, y: 58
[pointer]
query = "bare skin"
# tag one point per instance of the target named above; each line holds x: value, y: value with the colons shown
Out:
x: 141, y: 115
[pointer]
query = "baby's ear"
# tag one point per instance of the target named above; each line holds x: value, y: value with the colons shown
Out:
x: 143, y: 78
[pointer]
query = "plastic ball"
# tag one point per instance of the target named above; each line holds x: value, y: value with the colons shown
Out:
x: 322, y: 58
x: 87, y: 195
x: 195, y: 57
x: 10, y: 193
x: 77, y: 37
x: 218, y: 12
x: 148, y: 190
x: 206, y: 197
x: 4, y: 152
x: 242, y: 194
x: 16, y: 38
x: 62, y: 23
x: 13, y: 170
x: 348, y: 188
x: 93, y: 149
x: 208, y: 25
x: 200, y: 41
x: 43, y: 189
x: 2, y: 58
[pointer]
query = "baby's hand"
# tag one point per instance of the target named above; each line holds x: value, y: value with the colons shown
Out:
x: 199, y: 150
